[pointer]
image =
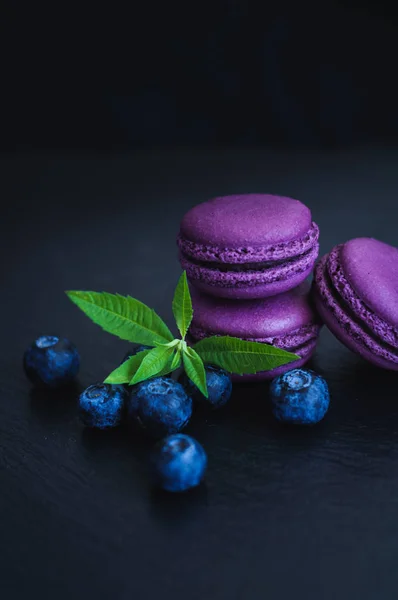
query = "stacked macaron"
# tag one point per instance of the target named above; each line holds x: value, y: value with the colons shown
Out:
x: 247, y: 258
x: 248, y: 246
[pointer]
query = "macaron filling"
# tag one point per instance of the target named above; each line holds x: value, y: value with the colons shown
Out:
x: 251, y: 274
x: 204, y: 253
x: 250, y: 267
x: 351, y: 312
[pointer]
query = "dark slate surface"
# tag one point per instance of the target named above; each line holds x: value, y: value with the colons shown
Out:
x: 284, y: 514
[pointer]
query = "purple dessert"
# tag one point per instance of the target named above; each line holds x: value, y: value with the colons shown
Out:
x: 356, y: 292
x: 287, y: 321
x: 248, y: 246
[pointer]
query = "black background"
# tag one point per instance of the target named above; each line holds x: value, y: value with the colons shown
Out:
x: 111, y: 127
x: 305, y: 513
x: 309, y: 73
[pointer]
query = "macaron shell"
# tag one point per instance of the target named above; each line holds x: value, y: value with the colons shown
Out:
x: 246, y: 219
x: 379, y: 327
x: 346, y: 326
x: 265, y: 290
x: 249, y: 253
x: 265, y: 318
x: 372, y: 269
x: 288, y: 322
x: 348, y: 340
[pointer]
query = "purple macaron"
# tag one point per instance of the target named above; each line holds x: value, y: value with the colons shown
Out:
x: 356, y: 292
x: 248, y: 246
x: 287, y: 321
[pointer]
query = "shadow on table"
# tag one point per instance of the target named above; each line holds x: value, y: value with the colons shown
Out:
x: 176, y: 508
x: 55, y: 405
x: 123, y: 436
x: 360, y: 390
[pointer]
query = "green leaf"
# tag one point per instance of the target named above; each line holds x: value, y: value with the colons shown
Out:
x: 123, y: 316
x: 239, y: 356
x: 153, y: 364
x: 126, y: 371
x: 195, y: 369
x: 173, y: 364
x: 182, y: 305
x: 176, y: 360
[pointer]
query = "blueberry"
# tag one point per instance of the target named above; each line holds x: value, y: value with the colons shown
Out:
x: 101, y: 405
x: 51, y: 361
x: 299, y: 396
x: 135, y: 351
x: 160, y: 406
x: 219, y: 387
x: 178, y: 463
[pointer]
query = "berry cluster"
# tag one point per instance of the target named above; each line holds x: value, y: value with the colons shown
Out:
x: 162, y: 406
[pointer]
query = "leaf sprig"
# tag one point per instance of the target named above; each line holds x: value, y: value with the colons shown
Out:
x: 135, y: 322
